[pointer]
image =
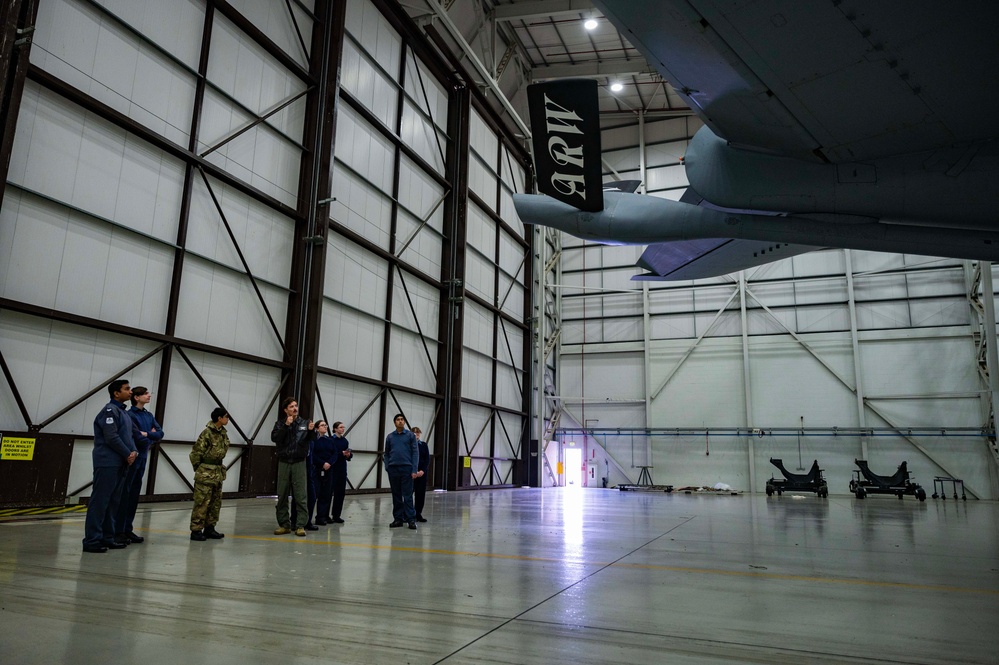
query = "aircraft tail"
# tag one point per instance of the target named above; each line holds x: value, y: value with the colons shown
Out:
x: 565, y: 123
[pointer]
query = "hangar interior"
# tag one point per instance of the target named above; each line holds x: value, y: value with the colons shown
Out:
x: 230, y: 201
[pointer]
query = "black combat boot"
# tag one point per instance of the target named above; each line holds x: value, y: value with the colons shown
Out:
x: 210, y: 532
x: 197, y: 535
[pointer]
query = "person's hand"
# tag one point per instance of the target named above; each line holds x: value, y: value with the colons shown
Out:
x: 311, y: 424
x: 326, y: 466
x: 419, y: 474
x: 131, y: 456
x: 346, y: 453
x: 143, y: 433
x: 289, y: 420
x: 415, y: 475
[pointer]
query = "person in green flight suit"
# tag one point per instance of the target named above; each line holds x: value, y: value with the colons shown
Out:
x: 208, y: 459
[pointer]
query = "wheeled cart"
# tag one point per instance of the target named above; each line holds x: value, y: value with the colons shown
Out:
x: 813, y: 481
x: 867, y: 482
x: 944, y: 480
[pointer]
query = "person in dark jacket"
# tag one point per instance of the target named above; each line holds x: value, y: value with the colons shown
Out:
x: 292, y: 435
x: 339, y: 470
x: 323, y: 456
x: 401, y: 457
x: 146, y: 433
x: 423, y: 468
x: 114, y: 452
x: 311, y: 489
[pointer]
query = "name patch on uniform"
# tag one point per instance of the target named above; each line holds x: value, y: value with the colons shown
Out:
x: 109, y: 421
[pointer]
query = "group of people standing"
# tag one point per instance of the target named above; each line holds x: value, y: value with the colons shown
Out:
x: 122, y: 440
x: 312, y: 470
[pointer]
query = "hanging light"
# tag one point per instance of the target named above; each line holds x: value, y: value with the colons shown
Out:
x: 616, y: 87
x: 590, y: 24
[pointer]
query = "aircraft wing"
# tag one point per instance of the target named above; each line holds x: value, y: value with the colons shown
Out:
x: 825, y: 80
x: 710, y: 257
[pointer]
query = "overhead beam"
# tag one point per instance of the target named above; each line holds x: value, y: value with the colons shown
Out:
x: 529, y: 11
x: 635, y: 67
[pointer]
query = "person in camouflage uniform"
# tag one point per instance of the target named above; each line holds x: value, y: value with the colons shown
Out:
x: 207, y: 457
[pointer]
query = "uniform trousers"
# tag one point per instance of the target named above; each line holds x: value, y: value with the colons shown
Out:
x: 131, y: 487
x: 402, y: 495
x: 102, y: 506
x: 292, y: 481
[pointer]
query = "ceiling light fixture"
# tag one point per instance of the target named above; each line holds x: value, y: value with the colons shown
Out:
x: 590, y: 24
x: 616, y: 87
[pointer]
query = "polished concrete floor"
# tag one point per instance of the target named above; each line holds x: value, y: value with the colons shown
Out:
x: 519, y: 576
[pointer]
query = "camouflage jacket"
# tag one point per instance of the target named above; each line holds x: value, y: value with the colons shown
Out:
x: 211, y: 446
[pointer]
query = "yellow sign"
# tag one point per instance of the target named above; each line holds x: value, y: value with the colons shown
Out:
x: 468, y: 462
x: 16, y: 447
x: 561, y: 469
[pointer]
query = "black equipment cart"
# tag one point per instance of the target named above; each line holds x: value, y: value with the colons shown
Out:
x: 867, y: 482
x: 813, y: 481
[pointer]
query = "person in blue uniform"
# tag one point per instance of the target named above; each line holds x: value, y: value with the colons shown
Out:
x: 339, y: 471
x: 332, y: 454
x: 423, y: 469
x: 146, y: 434
x: 323, y: 454
x: 114, y: 452
x: 401, y: 455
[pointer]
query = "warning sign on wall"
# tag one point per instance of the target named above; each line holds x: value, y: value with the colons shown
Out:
x: 17, y: 448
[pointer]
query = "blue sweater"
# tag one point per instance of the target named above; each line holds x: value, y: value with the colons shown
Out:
x: 145, y: 421
x: 112, y: 436
x: 402, y: 454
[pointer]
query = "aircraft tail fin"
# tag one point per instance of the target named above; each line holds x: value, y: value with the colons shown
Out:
x: 565, y: 123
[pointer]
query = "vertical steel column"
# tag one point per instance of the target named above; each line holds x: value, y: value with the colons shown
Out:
x: 449, y: 359
x: 384, y: 424
x: 17, y: 23
x: 746, y: 383
x: 529, y: 404
x: 309, y: 259
x: 166, y: 361
x: 989, y: 335
x: 858, y: 367
x: 496, y: 316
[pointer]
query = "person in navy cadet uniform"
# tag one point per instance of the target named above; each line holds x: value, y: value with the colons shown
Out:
x: 401, y: 456
x: 323, y: 456
x: 420, y: 482
x: 339, y: 470
x: 114, y: 452
x: 147, y: 432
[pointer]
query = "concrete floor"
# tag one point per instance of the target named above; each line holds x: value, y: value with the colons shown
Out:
x: 519, y: 576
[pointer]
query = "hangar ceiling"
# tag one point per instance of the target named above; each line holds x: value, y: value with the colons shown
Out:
x: 506, y: 45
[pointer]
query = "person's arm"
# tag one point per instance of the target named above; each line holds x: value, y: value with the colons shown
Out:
x: 137, y: 434
x: 155, y: 435
x: 109, y: 427
x: 198, y: 452
x: 278, y: 433
x: 415, y: 447
x: 424, y: 457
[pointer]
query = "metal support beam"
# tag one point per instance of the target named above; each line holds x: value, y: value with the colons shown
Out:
x: 17, y: 25
x: 858, y: 366
x: 540, y: 9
